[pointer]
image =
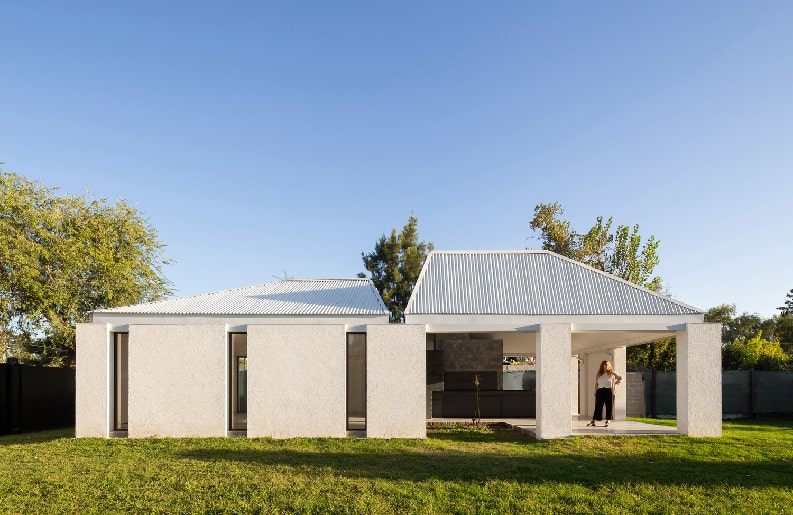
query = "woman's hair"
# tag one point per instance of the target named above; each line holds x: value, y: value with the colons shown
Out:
x: 605, y: 368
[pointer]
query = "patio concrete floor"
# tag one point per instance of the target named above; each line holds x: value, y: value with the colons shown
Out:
x: 528, y: 426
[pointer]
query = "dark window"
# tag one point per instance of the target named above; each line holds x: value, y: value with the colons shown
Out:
x: 356, y: 381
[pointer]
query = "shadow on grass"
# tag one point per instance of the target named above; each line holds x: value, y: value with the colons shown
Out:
x: 37, y: 436
x: 531, y: 462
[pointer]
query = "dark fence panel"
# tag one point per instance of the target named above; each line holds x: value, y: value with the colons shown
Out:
x: 35, y: 398
x: 744, y: 393
x: 773, y: 391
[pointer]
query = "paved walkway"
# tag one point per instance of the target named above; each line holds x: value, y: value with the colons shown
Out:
x: 528, y: 426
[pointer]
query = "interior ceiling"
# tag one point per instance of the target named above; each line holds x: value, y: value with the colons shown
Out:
x: 589, y: 341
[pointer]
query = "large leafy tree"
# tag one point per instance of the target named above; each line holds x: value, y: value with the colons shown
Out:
x: 62, y: 257
x: 619, y: 252
x: 395, y: 264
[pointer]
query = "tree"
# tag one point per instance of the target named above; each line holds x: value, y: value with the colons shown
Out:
x: 620, y: 252
x: 62, y: 257
x: 787, y: 308
x: 395, y: 265
x: 660, y: 355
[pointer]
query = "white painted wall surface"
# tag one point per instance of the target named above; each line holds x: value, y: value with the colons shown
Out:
x: 297, y: 381
x: 396, y: 381
x: 553, y: 381
x: 93, y: 381
x: 178, y: 378
x: 699, y: 380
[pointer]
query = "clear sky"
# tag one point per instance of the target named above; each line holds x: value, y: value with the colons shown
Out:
x: 268, y: 137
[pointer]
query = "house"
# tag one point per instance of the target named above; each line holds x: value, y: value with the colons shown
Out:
x: 318, y: 357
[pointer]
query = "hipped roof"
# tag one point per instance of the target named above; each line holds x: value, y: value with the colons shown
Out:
x: 285, y: 297
x: 530, y: 282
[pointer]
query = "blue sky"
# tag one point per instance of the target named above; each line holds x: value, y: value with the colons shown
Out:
x: 269, y: 137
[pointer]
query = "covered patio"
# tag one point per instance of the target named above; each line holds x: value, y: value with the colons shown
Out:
x: 564, y: 318
x: 528, y: 426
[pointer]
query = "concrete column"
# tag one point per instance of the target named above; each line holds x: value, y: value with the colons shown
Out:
x: 297, y: 381
x: 620, y: 364
x: 554, y: 402
x: 396, y: 382
x: 178, y: 377
x: 699, y: 380
x: 93, y: 381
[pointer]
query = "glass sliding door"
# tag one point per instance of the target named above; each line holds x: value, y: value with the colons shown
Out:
x: 238, y: 380
x: 120, y: 380
x: 356, y: 381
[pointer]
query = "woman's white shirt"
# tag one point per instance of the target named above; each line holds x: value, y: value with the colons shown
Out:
x: 604, y: 381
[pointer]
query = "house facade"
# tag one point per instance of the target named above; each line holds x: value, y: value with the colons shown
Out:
x: 317, y: 358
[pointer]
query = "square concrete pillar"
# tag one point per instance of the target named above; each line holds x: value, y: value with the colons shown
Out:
x: 396, y: 381
x: 554, y: 402
x: 699, y: 380
x: 297, y: 381
x: 619, y: 363
x: 178, y: 377
x: 93, y: 381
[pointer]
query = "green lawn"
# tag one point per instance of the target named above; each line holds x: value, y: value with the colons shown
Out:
x: 456, y: 470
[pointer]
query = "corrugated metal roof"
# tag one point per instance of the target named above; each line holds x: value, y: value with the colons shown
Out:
x: 286, y: 297
x: 531, y: 282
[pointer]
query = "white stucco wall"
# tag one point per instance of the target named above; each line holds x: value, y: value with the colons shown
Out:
x: 396, y: 381
x: 93, y: 381
x: 554, y: 402
x: 699, y: 380
x: 178, y: 380
x: 297, y: 381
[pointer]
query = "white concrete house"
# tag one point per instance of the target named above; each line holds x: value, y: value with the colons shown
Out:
x: 318, y: 357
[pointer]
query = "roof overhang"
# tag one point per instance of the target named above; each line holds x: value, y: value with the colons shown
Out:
x: 532, y: 323
x: 120, y: 322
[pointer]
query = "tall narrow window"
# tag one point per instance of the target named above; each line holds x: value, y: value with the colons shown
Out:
x: 121, y: 380
x: 356, y: 381
x: 242, y: 384
x: 238, y: 380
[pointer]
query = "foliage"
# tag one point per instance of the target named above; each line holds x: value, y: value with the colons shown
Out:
x: 395, y: 265
x: 661, y: 355
x: 783, y: 330
x: 454, y: 470
x: 62, y: 257
x: 742, y: 337
x: 755, y: 352
x: 619, y: 252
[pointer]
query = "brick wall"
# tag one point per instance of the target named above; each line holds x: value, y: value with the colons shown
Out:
x: 634, y: 395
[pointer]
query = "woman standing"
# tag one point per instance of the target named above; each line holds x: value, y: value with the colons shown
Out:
x: 605, y: 383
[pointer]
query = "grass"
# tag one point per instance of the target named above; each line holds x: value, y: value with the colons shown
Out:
x: 457, y: 470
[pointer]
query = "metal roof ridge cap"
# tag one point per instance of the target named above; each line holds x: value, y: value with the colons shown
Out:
x: 514, y: 251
